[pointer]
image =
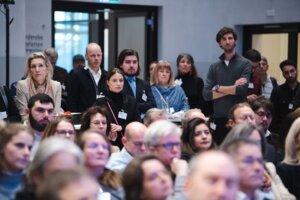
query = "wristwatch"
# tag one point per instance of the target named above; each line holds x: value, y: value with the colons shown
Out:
x: 216, y: 88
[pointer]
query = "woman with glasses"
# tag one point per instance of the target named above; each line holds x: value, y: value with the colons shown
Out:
x: 97, y: 149
x: 196, y: 137
x: 61, y: 127
x: 38, y: 75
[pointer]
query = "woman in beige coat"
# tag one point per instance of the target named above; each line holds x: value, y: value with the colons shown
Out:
x: 38, y: 80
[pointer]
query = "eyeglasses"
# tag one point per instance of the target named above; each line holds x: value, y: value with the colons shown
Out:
x: 264, y: 114
x: 169, y: 146
x: 250, y: 160
x: 66, y: 132
x: 138, y: 144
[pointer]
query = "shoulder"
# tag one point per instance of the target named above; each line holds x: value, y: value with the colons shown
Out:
x: 60, y: 69
x: 55, y: 84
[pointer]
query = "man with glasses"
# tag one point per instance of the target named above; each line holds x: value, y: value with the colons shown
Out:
x: 249, y: 159
x: 133, y: 141
x: 39, y: 111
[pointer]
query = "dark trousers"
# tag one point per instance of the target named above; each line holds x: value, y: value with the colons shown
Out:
x: 221, y: 131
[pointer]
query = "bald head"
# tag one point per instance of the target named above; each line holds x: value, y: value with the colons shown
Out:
x: 133, y: 139
x: 212, y: 175
x: 93, y: 55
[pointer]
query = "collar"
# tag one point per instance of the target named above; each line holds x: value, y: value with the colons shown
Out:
x: 92, y: 71
x: 130, y: 78
x: 267, y: 133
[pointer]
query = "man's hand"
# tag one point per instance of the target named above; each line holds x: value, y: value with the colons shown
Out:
x: 240, y: 81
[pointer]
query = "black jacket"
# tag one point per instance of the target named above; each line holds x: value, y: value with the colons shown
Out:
x: 7, y: 104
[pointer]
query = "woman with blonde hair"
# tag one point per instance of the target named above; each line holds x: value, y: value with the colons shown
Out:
x: 38, y: 80
x: 289, y: 168
x: 167, y: 95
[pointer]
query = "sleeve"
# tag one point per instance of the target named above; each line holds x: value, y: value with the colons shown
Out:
x: 73, y: 93
x: 200, y: 85
x: 57, y: 97
x: 209, y: 84
x: 241, y: 90
x: 21, y: 99
x: 12, y: 110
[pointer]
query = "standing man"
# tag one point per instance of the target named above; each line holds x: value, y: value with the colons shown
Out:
x: 128, y: 62
x: 282, y: 96
x: 88, y: 83
x: 226, y: 82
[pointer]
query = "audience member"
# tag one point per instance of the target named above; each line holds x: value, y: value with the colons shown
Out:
x: 212, y: 175
x: 53, y: 154
x: 15, y: 144
x: 151, y: 69
x: 196, y: 137
x: 289, y: 169
x: 238, y: 113
x: 268, y: 82
x: 8, y: 109
x: 78, y: 61
x: 255, y: 83
x: 191, y: 84
x: 192, y: 114
x: 40, y: 112
x: 248, y: 157
x: 226, y: 82
x: 147, y: 178
x: 87, y: 84
x: 123, y: 108
x: 128, y: 62
x: 283, y: 95
x: 96, y: 149
x: 154, y: 114
x: 38, y: 80
x: 60, y: 127
x: 133, y: 141
x: 73, y: 184
x: 167, y: 95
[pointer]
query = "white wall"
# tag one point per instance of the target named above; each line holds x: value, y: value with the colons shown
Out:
x: 184, y: 25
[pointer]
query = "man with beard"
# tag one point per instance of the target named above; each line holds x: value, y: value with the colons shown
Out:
x: 39, y: 111
x: 282, y: 97
x: 128, y: 62
x: 226, y: 82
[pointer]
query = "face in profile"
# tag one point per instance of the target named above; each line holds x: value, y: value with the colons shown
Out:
x: 202, y: 137
x: 16, y: 152
x: 157, y: 182
x: 38, y: 70
x: 99, y: 122
x: 96, y: 150
x: 116, y: 83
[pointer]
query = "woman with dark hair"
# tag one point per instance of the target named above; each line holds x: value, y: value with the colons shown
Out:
x: 122, y: 108
x: 61, y: 127
x: 192, y: 85
x: 97, y: 149
x: 196, y: 137
x: 15, y: 145
x: 147, y: 178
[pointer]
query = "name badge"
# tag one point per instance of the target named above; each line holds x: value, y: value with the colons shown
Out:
x: 213, y: 126
x: 172, y: 110
x: 3, y: 115
x: 251, y: 85
x: 122, y: 115
x: 144, y: 97
x: 291, y: 106
x: 99, y: 96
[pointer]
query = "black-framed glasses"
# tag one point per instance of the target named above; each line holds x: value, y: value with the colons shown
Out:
x: 170, y: 145
x: 66, y: 132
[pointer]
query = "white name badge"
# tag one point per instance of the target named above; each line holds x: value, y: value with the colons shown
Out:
x: 172, y: 110
x: 144, y: 97
x: 122, y: 115
x: 291, y: 106
x: 3, y: 115
x: 251, y: 85
x: 213, y: 126
x: 99, y: 96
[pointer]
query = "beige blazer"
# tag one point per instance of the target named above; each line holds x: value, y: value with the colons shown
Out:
x: 25, y: 91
